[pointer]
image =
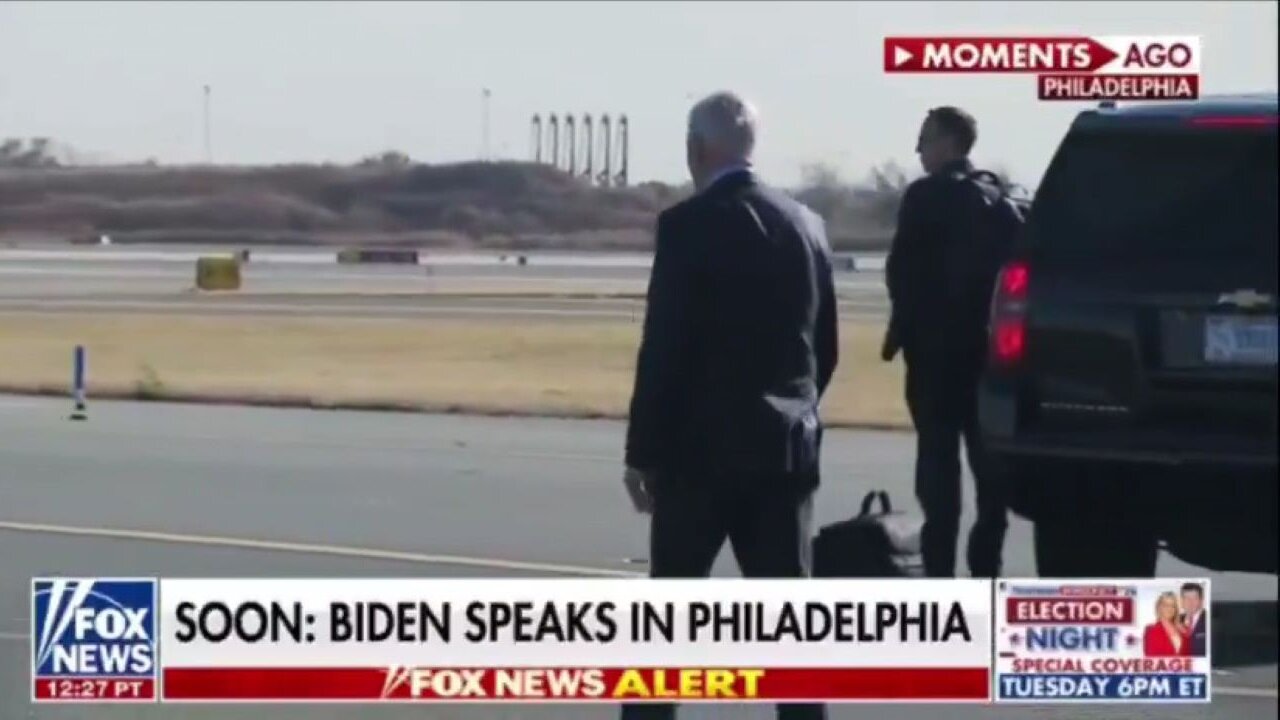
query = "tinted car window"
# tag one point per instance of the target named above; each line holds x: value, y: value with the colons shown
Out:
x: 1128, y: 194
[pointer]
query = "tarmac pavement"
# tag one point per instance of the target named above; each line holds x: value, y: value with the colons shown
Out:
x: 173, y: 490
x: 293, y: 282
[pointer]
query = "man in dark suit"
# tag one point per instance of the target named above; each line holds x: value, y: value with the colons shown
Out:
x: 739, y: 345
x: 943, y: 341
x: 1195, y: 618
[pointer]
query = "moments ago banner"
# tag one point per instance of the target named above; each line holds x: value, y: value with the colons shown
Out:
x: 606, y: 640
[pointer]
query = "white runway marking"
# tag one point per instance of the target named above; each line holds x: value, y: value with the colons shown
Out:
x: 251, y: 275
x: 99, y: 254
x: 103, y: 254
x: 352, y: 272
x: 80, y: 272
x: 435, y: 449
x: 861, y: 261
x: 19, y: 404
x: 310, y: 549
x: 401, y: 310
x: 309, y: 309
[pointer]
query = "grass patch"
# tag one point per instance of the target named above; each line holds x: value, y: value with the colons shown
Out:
x: 150, y: 386
x: 581, y: 368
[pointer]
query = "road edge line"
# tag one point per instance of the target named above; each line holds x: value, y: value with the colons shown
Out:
x: 311, y: 549
x: 305, y: 402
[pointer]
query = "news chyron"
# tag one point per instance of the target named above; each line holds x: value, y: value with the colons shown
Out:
x: 93, y: 640
x: 1043, y: 641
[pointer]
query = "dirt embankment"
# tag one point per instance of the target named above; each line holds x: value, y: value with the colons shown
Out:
x: 463, y: 206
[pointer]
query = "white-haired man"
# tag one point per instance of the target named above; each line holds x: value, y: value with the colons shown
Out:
x: 739, y: 346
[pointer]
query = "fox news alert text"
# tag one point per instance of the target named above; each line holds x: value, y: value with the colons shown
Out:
x: 607, y: 641
x: 1068, y: 68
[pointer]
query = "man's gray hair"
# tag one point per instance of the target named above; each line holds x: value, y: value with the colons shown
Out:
x: 726, y: 122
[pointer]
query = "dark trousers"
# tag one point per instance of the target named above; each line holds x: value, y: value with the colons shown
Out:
x: 767, y: 522
x: 942, y: 398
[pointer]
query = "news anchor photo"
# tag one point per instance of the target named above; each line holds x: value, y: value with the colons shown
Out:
x: 1167, y: 636
x: 738, y: 347
x: 1195, y: 618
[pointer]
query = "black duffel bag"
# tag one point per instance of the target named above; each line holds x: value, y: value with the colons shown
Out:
x: 882, y: 544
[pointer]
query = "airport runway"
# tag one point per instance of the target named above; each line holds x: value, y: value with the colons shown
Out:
x: 291, y: 282
x: 220, y: 491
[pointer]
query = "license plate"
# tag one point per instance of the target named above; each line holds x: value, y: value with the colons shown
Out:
x: 1237, y: 340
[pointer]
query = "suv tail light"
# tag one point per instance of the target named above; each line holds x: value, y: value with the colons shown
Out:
x: 1009, y: 315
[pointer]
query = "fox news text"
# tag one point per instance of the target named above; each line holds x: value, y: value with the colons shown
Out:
x: 1102, y: 641
x: 529, y: 640
x: 93, y: 639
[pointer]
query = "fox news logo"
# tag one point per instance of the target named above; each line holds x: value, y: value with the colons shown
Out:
x: 93, y: 628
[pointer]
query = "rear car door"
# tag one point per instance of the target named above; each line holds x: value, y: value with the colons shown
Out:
x: 1152, y: 315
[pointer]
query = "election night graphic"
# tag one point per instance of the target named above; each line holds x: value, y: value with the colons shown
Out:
x: 1102, y: 640
x: 93, y: 639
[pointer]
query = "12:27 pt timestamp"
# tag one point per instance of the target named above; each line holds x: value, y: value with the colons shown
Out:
x: 95, y: 689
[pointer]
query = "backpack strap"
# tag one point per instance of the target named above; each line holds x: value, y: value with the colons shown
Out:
x: 870, y: 498
x: 866, y: 503
x: 990, y: 187
x: 989, y: 176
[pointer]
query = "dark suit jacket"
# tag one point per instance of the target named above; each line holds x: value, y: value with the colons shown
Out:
x: 936, y: 212
x: 1199, y: 634
x: 739, y: 337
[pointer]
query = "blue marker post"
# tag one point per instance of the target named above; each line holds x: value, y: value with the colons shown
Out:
x: 77, y: 385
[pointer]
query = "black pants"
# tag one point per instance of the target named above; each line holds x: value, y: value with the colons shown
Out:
x: 942, y: 398
x: 767, y: 522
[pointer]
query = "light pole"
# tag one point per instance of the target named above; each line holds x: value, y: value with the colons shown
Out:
x: 484, y: 124
x: 208, y: 142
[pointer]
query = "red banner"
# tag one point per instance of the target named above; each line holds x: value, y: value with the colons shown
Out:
x: 576, y: 684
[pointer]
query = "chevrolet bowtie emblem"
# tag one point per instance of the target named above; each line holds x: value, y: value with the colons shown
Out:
x: 1244, y: 298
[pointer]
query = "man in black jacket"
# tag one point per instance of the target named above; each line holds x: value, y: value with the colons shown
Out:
x: 739, y: 345
x: 1195, y: 618
x: 943, y: 341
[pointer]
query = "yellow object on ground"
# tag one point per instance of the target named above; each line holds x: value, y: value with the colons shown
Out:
x: 218, y: 273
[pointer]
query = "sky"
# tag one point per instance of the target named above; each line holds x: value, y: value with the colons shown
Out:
x: 334, y: 82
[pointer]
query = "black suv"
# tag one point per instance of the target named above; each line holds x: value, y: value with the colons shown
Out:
x: 1130, y: 396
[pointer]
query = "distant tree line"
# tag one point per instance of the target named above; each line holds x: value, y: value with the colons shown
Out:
x: 866, y: 209
x: 34, y: 153
x: 475, y: 198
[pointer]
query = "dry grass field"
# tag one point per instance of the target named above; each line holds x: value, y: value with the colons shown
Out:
x: 582, y: 368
